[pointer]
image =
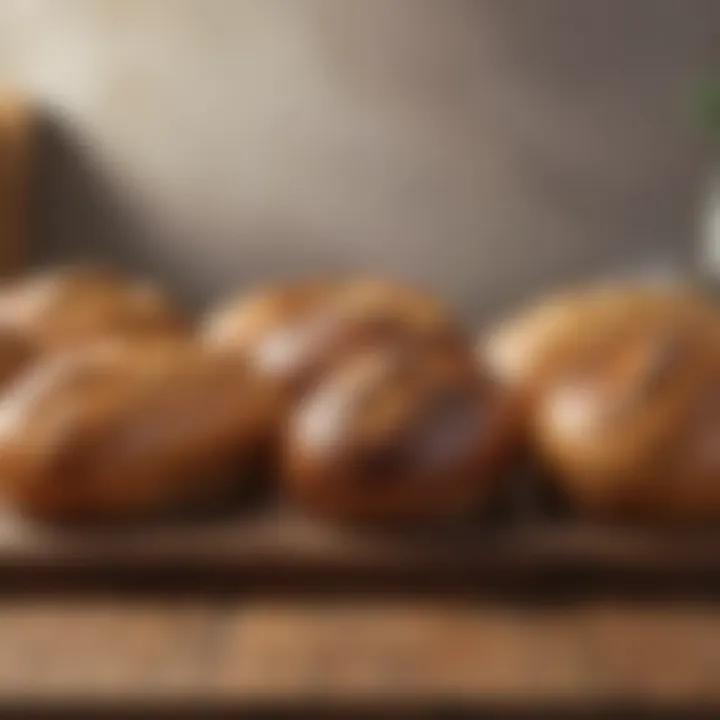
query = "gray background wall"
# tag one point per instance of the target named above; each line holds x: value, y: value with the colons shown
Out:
x: 488, y: 148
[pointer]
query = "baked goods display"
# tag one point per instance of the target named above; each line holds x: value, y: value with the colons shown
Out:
x: 630, y: 424
x: 120, y: 428
x: 365, y: 395
x: 295, y: 333
x: 394, y: 434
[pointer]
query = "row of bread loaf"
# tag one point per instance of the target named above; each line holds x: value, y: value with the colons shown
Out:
x: 360, y: 399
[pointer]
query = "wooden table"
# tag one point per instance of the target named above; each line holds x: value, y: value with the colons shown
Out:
x: 78, y: 623
x: 274, y: 650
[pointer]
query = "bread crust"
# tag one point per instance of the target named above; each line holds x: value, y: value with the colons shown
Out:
x: 296, y: 333
x: 630, y: 421
x: 62, y: 308
x: 125, y: 428
x: 395, y: 436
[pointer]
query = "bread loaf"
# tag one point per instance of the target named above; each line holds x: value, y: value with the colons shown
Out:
x: 631, y: 421
x: 296, y: 333
x: 397, y: 435
x: 124, y: 428
x: 65, y: 307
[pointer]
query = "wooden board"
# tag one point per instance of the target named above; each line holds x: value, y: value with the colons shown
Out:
x: 279, y: 551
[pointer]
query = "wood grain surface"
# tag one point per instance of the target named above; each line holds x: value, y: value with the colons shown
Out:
x: 281, y: 550
x: 142, y: 650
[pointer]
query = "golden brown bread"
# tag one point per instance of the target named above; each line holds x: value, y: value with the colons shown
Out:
x: 241, y: 323
x: 397, y: 435
x: 525, y: 348
x: 15, y: 356
x: 65, y: 307
x: 119, y: 428
x: 295, y: 333
x: 631, y: 421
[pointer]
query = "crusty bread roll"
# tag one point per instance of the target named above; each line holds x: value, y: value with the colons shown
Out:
x: 242, y: 322
x: 631, y: 422
x: 121, y: 428
x: 527, y: 346
x: 394, y: 435
x: 295, y: 333
x: 61, y: 308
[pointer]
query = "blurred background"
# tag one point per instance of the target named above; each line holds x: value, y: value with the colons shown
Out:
x: 487, y: 148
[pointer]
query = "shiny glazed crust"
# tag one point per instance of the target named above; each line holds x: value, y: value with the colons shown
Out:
x: 120, y: 429
x: 395, y: 435
x: 523, y: 349
x: 296, y: 333
x: 632, y: 424
x: 60, y: 309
